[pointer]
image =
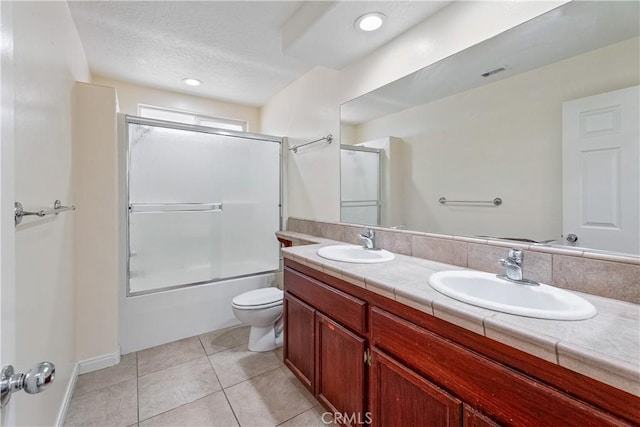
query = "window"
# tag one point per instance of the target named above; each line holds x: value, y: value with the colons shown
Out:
x: 190, y: 118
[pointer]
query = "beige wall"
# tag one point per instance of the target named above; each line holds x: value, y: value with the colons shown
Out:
x: 307, y: 110
x: 97, y: 248
x: 499, y: 140
x: 48, y: 59
x: 130, y: 95
x: 310, y: 107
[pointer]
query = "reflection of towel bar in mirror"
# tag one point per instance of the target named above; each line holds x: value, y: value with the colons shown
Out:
x: 174, y: 207
x: 19, y: 212
x: 495, y: 202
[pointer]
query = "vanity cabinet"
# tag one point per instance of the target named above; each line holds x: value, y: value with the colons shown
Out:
x: 507, y: 395
x: 324, y: 344
x: 402, y: 367
x: 299, y: 345
x: 400, y: 397
x: 473, y: 418
x: 340, y: 368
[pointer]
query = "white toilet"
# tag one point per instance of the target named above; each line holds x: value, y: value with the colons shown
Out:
x: 262, y: 310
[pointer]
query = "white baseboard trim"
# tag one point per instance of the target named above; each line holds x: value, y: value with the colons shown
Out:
x: 83, y: 367
x: 99, y: 362
x: 67, y: 397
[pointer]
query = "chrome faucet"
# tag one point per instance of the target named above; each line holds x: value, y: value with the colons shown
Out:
x: 369, y: 238
x: 513, y: 265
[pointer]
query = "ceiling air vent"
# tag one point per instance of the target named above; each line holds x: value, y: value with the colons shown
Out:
x: 492, y: 72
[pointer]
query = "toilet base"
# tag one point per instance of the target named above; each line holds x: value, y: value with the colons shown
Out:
x: 264, y: 339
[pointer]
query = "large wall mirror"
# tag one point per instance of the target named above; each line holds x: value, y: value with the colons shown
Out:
x: 530, y: 135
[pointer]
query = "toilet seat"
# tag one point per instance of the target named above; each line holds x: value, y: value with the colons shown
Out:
x: 259, y: 299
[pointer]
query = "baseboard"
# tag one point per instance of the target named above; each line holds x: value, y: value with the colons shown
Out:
x: 67, y: 396
x: 83, y: 367
x: 100, y: 362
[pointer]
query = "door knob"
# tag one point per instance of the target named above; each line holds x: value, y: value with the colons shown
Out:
x: 572, y: 238
x: 35, y: 380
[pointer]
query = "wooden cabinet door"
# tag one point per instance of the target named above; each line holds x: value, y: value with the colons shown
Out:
x: 340, y: 370
x: 473, y: 418
x: 400, y: 397
x: 299, y: 343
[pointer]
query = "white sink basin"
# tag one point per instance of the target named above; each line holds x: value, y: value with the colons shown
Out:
x: 488, y: 291
x: 356, y: 254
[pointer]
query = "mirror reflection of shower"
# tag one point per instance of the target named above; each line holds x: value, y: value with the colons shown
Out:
x: 359, y: 184
x: 371, y: 184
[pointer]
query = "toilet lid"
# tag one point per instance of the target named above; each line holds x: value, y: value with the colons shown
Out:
x: 262, y: 296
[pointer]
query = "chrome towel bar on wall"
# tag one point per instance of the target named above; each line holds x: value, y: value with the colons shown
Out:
x: 495, y: 202
x: 19, y: 212
x: 328, y: 138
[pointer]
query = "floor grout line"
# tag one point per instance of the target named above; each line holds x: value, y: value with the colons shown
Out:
x: 186, y: 403
x: 234, y: 411
x: 87, y: 393
x: 222, y: 389
x: 174, y: 366
x: 202, y: 344
x: 180, y: 406
x: 281, y: 364
x: 253, y: 377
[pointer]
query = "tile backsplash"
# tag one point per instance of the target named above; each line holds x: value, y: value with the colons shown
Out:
x: 609, y: 276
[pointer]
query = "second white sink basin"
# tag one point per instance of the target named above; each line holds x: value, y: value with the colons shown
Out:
x: 488, y: 291
x: 355, y: 254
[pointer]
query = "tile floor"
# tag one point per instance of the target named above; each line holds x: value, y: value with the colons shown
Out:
x: 207, y: 380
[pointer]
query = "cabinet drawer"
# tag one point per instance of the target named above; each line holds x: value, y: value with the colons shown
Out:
x: 346, y: 309
x: 508, y: 396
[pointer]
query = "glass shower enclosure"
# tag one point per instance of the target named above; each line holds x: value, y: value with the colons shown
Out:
x: 203, y: 204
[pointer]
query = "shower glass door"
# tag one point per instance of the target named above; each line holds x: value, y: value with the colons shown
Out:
x: 204, y: 204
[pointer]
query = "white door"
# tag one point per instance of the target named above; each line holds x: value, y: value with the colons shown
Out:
x: 7, y: 229
x: 601, y: 171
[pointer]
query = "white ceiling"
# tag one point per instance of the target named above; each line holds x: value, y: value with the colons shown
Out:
x: 235, y: 47
x: 323, y: 32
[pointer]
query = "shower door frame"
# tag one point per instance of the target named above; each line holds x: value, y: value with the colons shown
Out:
x: 124, y: 121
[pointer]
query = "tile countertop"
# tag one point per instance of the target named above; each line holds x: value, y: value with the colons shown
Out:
x: 605, y: 347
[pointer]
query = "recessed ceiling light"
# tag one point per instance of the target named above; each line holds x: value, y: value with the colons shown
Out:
x: 192, y: 82
x: 370, y: 21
